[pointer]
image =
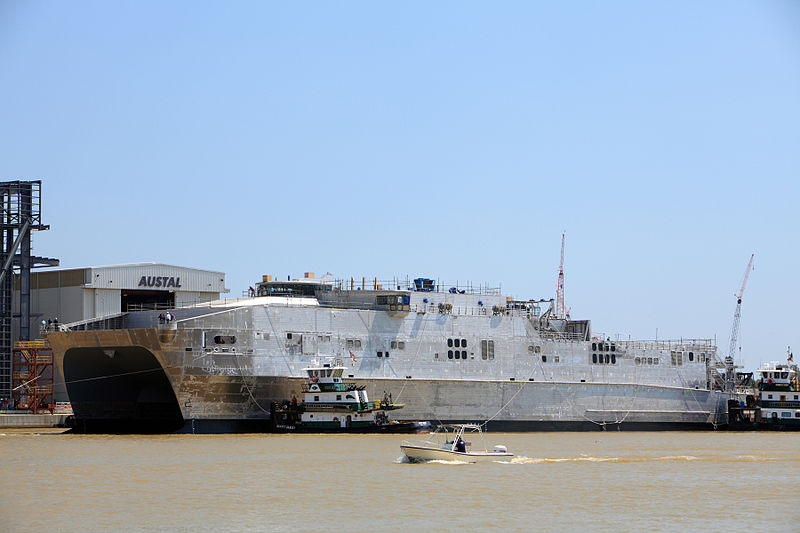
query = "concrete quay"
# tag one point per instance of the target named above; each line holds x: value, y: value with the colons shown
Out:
x: 28, y: 420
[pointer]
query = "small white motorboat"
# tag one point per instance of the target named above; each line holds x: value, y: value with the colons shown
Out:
x: 448, y: 443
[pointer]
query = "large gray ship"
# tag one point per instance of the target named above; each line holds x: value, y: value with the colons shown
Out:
x: 450, y: 354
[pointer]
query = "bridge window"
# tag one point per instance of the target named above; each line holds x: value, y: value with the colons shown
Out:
x: 450, y: 354
x: 594, y: 358
x: 449, y: 343
x: 613, y: 359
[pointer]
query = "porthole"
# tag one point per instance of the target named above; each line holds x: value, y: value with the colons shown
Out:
x: 463, y: 343
x: 613, y: 359
x: 594, y: 346
x: 457, y: 343
x: 449, y: 354
x: 594, y: 358
x: 449, y: 343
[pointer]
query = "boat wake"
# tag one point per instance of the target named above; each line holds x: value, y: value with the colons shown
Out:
x: 523, y: 460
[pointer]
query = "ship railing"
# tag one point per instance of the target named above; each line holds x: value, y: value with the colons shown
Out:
x: 323, y: 406
x: 112, y: 321
x: 707, y: 345
x: 561, y: 335
x: 407, y: 284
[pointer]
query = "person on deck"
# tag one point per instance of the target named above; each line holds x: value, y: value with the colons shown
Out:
x: 461, y: 446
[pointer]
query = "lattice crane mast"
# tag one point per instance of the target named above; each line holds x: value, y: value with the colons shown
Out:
x: 738, y: 313
x: 561, y: 311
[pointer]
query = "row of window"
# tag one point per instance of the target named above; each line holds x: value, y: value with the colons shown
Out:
x: 604, y: 359
x: 534, y: 349
x: 458, y: 343
x: 457, y: 354
x: 383, y: 354
x: 600, y: 347
x: 353, y: 344
x: 783, y: 397
x: 393, y: 299
x: 786, y: 414
x: 677, y: 357
x: 771, y: 375
x: 646, y: 360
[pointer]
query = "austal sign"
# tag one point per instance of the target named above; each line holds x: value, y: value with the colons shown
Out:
x: 159, y: 281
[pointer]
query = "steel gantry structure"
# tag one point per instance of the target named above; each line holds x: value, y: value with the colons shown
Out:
x: 20, y: 214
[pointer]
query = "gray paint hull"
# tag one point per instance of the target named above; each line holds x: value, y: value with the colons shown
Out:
x: 176, y: 378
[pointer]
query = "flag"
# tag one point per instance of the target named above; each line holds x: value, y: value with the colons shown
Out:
x: 353, y: 356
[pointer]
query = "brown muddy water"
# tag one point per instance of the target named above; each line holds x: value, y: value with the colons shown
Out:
x: 608, y: 481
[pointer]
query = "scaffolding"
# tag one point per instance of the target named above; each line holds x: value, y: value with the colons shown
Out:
x: 20, y: 214
x: 33, y: 376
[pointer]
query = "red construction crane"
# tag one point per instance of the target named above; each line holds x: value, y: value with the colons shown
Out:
x: 561, y: 311
x: 738, y: 313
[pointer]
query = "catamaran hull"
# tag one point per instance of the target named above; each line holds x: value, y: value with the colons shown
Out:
x: 124, y: 381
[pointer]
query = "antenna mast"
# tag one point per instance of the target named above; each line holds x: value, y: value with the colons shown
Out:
x: 560, y: 308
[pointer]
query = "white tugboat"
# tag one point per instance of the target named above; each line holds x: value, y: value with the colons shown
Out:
x: 779, y: 397
x: 332, y: 405
x: 448, y: 444
x: 777, y: 401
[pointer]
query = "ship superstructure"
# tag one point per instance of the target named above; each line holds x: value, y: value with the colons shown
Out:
x: 451, y: 354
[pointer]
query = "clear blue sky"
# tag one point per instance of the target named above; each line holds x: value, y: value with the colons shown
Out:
x: 453, y: 140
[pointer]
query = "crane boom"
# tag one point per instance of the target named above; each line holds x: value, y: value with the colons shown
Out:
x: 738, y: 313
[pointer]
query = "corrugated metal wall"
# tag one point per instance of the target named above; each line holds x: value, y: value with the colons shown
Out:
x: 130, y: 277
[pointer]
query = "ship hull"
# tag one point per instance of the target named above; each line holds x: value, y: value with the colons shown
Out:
x: 125, y: 381
x: 207, y: 373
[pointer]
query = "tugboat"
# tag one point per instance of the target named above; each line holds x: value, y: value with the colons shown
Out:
x: 779, y: 397
x: 331, y: 405
x: 777, y: 404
